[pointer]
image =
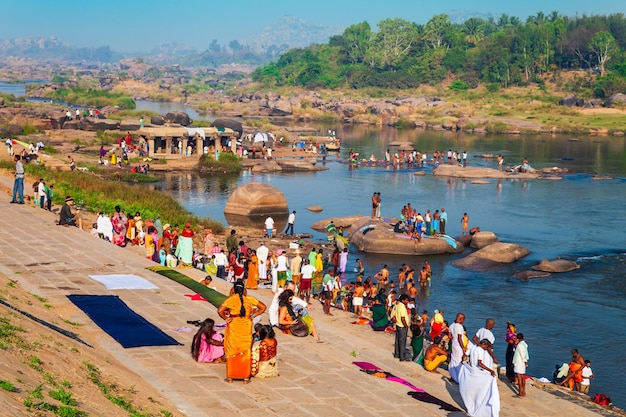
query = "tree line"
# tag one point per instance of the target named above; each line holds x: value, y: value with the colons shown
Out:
x: 498, y: 52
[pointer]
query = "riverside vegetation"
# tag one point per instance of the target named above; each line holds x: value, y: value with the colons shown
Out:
x: 97, y: 194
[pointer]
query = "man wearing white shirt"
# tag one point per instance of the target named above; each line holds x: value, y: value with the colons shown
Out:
x: 485, y: 333
x: 261, y: 253
x: 269, y: 226
x: 458, y: 346
x: 307, y: 271
x: 290, y: 221
x: 281, y: 268
x: 221, y: 261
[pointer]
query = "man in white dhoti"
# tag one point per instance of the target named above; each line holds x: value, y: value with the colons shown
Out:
x: 457, y: 333
x: 478, y: 383
x: 261, y: 253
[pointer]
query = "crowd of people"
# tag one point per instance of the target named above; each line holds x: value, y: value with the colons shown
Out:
x: 413, y: 158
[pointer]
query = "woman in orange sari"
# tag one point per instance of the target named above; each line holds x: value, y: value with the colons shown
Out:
x: 238, y: 311
x: 253, y: 270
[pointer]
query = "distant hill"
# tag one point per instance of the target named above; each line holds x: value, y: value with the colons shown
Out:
x: 52, y: 48
x: 290, y: 32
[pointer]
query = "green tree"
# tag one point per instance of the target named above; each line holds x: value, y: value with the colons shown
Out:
x: 436, y: 29
x: 474, y: 30
x: 356, y: 42
x: 604, y: 47
x: 392, y: 43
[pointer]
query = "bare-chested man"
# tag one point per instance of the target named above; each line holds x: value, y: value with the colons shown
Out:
x: 383, y: 278
x: 424, y: 277
x: 465, y: 224
x: 435, y: 355
x: 429, y: 270
x: 374, y: 205
x: 575, y: 376
x: 401, y: 276
x: 357, y: 299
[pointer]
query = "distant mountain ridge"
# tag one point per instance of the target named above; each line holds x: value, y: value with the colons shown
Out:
x: 52, y: 48
x: 291, y: 32
x: 277, y: 37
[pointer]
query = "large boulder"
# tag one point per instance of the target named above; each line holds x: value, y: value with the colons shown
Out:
x: 280, y: 108
x: 92, y: 124
x: 299, y: 165
x: 377, y: 236
x: 346, y: 222
x: 560, y: 265
x: 571, y: 101
x: 266, y: 166
x: 157, y: 120
x: 482, y: 239
x: 178, y: 117
x: 252, y: 203
x: 617, y: 99
x: 229, y: 123
x: 315, y: 209
x: 492, y: 256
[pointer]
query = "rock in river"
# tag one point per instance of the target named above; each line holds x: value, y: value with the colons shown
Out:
x: 376, y: 236
x: 560, y: 265
x: 252, y: 203
x: 482, y: 239
x: 492, y: 256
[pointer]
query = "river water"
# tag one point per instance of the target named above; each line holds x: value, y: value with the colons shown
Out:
x: 575, y: 218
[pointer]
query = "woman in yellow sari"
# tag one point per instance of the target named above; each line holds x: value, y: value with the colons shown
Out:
x: 253, y: 270
x: 238, y: 311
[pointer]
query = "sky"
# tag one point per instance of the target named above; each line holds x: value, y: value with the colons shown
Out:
x: 140, y: 25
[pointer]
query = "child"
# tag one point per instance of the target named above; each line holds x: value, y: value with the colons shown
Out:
x: 162, y: 255
x: 587, y: 377
x: 207, y: 344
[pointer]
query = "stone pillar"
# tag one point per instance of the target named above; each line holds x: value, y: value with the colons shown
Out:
x: 150, y: 142
x: 168, y: 145
x: 184, y: 139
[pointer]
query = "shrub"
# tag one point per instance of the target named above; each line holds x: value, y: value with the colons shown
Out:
x: 227, y: 162
x: 458, y: 85
x: 493, y: 87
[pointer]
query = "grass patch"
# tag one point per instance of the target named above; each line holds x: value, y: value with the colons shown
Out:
x: 91, y: 97
x: 133, y: 177
x: 212, y: 296
x: 39, y: 298
x: 64, y: 397
x: 107, y: 138
x: 6, y: 385
x: 110, y: 391
x: 94, y: 194
x: 35, y: 363
x: 227, y: 162
x: 9, y: 334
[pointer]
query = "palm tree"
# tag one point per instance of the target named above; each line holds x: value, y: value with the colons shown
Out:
x: 474, y: 30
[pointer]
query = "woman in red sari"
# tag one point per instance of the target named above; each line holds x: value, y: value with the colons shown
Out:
x: 238, y: 311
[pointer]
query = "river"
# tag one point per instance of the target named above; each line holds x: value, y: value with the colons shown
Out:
x: 575, y: 218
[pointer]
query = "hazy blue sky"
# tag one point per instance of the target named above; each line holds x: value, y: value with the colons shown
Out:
x: 132, y: 25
